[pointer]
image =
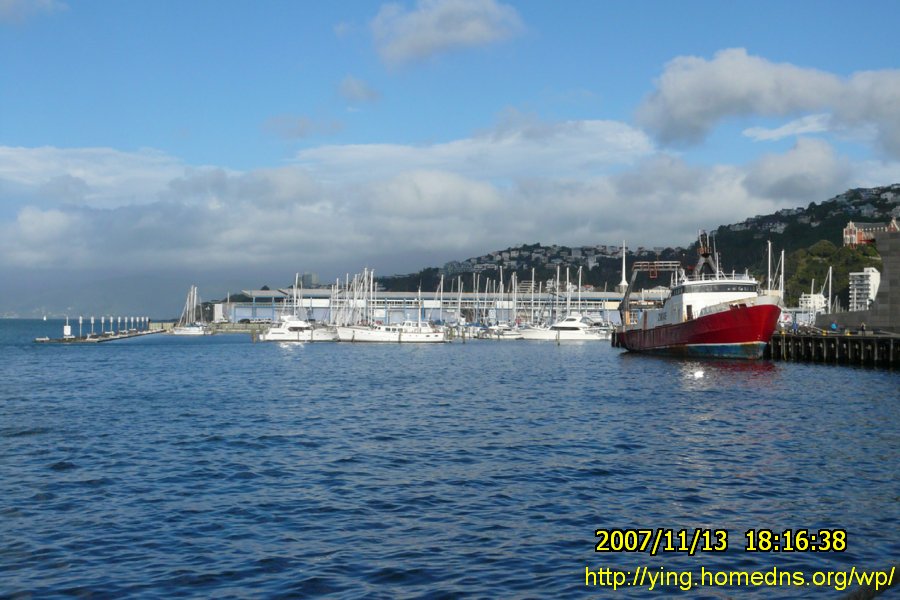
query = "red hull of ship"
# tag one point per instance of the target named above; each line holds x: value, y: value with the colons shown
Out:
x: 741, y: 332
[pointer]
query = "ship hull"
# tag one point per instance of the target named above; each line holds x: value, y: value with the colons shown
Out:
x: 741, y: 332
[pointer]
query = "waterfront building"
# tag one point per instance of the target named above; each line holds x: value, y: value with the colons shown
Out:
x: 863, y: 288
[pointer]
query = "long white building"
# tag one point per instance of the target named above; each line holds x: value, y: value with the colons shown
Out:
x: 319, y: 305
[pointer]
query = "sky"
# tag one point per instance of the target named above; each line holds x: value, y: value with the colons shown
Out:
x: 146, y: 146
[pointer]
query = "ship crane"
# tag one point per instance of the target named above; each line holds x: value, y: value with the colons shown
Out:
x: 654, y: 267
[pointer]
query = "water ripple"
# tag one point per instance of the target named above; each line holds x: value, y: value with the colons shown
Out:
x: 223, y: 468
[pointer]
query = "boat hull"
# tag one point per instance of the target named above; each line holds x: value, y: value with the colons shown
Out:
x: 190, y: 330
x: 741, y: 332
x: 563, y: 335
x: 307, y: 335
x: 364, y: 334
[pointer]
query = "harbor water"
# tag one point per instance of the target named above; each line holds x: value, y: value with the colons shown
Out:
x: 212, y: 466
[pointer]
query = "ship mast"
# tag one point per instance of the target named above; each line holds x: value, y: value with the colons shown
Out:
x: 624, y: 283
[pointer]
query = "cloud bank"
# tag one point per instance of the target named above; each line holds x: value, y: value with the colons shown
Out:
x: 73, y: 214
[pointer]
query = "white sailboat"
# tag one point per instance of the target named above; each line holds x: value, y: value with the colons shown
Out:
x: 405, y: 332
x: 357, y: 323
x: 291, y: 328
x: 191, y: 321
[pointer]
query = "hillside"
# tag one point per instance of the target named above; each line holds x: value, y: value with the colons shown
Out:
x: 812, y: 239
x: 800, y: 228
x: 797, y: 231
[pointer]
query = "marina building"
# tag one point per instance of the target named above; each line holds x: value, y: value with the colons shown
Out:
x: 323, y: 304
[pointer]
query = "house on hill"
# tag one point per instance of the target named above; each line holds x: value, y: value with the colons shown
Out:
x: 864, y: 233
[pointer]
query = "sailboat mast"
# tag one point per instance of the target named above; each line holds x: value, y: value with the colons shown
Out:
x: 441, y: 305
x: 515, y: 295
x: 556, y: 298
x: 532, y: 296
x: 781, y: 276
x: 579, y: 289
x: 459, y: 301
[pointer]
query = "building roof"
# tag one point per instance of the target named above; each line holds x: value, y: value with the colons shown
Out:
x: 268, y: 294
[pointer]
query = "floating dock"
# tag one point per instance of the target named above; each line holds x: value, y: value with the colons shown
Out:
x: 96, y: 339
x: 859, y: 348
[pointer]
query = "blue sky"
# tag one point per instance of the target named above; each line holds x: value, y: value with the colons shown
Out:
x: 146, y: 146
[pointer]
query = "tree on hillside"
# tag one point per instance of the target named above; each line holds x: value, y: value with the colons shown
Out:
x: 808, y: 269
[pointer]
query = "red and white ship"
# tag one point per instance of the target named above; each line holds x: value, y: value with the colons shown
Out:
x: 707, y: 313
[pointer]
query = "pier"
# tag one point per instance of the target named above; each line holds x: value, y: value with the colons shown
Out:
x: 875, y: 349
x: 128, y: 327
x: 96, y: 339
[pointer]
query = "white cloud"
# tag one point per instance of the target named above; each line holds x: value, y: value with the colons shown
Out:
x: 432, y: 195
x: 436, y: 26
x: 811, y: 169
x: 393, y: 207
x: 17, y: 11
x: 870, y: 101
x: 808, y: 124
x: 520, y: 148
x: 95, y: 177
x: 358, y: 91
x: 694, y: 94
x: 664, y: 200
x: 335, y: 208
x: 42, y: 238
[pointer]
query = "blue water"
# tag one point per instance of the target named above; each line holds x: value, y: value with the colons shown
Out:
x: 215, y: 467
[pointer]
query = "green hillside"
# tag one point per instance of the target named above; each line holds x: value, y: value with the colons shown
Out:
x: 812, y: 238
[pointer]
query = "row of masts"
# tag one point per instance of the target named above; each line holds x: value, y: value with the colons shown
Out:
x: 193, y: 309
x: 355, y: 300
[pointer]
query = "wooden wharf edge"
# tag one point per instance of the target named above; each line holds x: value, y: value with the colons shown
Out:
x: 874, y: 349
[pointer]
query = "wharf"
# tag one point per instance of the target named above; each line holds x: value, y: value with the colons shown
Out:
x: 96, y: 339
x: 875, y: 349
x: 251, y: 328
